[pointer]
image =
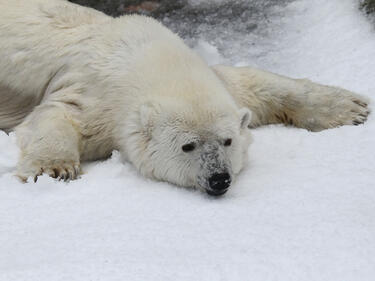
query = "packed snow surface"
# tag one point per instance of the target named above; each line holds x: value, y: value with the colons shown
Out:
x: 303, y: 209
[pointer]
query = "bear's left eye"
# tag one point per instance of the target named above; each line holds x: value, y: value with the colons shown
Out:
x: 228, y: 142
x: 188, y: 147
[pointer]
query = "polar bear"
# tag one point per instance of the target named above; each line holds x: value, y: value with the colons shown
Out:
x: 76, y: 84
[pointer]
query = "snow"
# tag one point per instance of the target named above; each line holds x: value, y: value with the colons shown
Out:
x: 303, y: 209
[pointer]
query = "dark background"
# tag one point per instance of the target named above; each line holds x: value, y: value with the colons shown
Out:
x: 158, y: 8
x: 227, y: 24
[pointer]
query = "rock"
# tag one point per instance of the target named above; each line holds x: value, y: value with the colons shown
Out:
x: 368, y: 6
x: 146, y: 7
x: 120, y: 7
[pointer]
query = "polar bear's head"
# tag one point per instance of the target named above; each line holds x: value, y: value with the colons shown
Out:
x: 182, y: 126
x: 190, y: 144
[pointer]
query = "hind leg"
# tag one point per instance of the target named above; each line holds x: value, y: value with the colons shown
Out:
x: 298, y: 102
x: 49, y: 143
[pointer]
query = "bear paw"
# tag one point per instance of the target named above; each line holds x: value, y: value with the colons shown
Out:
x: 61, y: 170
x: 350, y: 111
x: 337, y: 110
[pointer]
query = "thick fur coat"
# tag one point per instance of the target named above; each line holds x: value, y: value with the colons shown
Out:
x: 76, y: 84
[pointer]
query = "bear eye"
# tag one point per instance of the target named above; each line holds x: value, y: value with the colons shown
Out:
x: 228, y: 142
x: 188, y: 147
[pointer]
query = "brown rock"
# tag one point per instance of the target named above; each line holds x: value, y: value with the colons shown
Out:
x: 145, y: 7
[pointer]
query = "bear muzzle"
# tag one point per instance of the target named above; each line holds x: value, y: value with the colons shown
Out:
x: 218, y: 184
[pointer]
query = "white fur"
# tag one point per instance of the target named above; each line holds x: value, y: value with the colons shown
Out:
x: 95, y: 83
x: 299, y: 102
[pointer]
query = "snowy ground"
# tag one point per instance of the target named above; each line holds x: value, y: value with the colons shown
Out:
x: 304, y: 209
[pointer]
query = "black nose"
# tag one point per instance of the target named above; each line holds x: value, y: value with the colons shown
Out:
x: 219, y: 182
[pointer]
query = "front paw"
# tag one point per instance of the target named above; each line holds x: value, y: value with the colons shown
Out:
x: 58, y: 169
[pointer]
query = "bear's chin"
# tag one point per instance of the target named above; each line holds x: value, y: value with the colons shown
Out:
x: 216, y: 193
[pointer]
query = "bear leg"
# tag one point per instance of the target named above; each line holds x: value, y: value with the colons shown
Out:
x: 301, y: 103
x: 49, y: 143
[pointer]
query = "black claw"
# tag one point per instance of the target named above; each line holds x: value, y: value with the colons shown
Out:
x: 363, y: 104
x: 55, y: 173
x: 67, y: 175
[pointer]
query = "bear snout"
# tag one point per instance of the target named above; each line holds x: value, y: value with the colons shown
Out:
x: 219, y: 184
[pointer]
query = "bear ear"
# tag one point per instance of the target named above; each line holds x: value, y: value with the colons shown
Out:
x: 245, y: 115
x: 147, y: 113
